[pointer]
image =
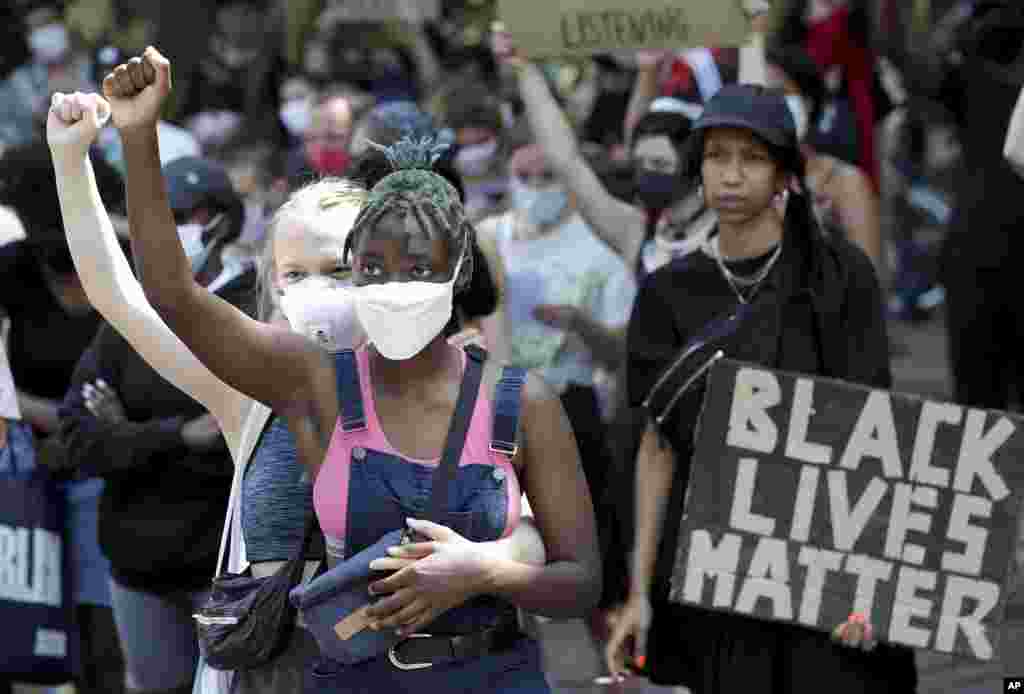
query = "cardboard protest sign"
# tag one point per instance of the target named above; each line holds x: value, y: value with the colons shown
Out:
x: 382, y: 10
x: 546, y: 28
x: 810, y: 499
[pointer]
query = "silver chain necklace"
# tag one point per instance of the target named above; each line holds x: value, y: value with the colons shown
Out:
x: 740, y: 282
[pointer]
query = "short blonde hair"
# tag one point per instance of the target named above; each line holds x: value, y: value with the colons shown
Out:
x: 307, y: 205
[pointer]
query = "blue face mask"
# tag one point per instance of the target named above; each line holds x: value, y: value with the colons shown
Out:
x: 541, y: 207
x: 198, y: 252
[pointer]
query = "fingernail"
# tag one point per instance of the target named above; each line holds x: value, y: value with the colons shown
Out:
x: 641, y: 661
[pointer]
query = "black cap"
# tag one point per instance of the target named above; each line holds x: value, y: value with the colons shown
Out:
x: 752, y: 107
x: 192, y: 182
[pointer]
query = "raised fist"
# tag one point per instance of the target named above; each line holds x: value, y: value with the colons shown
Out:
x: 137, y: 90
x: 74, y: 121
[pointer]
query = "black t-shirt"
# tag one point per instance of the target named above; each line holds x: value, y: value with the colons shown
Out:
x: 784, y: 328
x: 46, y: 342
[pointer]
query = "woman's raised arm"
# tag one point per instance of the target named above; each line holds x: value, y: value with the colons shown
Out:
x: 271, y: 364
x: 72, y: 126
x: 616, y: 223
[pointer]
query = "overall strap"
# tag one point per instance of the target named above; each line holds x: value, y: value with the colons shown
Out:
x: 456, y: 439
x: 507, y: 408
x: 350, y: 391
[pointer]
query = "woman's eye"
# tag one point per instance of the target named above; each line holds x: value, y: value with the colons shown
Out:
x: 372, y: 270
x: 421, y: 272
x: 293, y: 276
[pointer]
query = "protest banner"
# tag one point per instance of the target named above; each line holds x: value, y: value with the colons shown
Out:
x: 382, y: 10
x: 810, y: 499
x: 546, y: 28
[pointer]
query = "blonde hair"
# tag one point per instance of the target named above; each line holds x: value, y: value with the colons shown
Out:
x: 307, y: 205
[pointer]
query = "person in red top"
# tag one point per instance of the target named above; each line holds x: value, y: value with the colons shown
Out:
x: 836, y: 34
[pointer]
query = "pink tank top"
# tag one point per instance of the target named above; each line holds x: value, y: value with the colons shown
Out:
x: 331, y: 491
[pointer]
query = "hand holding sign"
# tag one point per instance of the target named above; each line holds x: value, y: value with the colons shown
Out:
x: 633, y: 622
x: 810, y: 499
x: 503, y: 46
x: 651, y: 60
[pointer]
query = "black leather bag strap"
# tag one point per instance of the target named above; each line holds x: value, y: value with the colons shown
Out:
x: 457, y: 431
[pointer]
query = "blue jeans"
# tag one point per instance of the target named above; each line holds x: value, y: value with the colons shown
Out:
x: 517, y: 670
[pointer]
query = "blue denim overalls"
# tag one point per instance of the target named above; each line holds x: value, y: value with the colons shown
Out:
x: 379, y: 489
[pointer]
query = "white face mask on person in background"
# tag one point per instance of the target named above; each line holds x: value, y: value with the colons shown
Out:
x: 324, y: 310
x: 476, y: 160
x: 296, y: 115
x: 799, y: 110
x: 196, y: 250
x: 540, y: 206
x: 401, y: 318
x: 49, y: 43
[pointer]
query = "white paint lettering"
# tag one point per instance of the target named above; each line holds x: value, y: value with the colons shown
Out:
x: 741, y: 517
x: 750, y: 426
x: 874, y: 436
x: 973, y: 537
x: 976, y: 451
x: 797, y: 445
x: 932, y: 415
x: 903, y: 519
x: 768, y: 578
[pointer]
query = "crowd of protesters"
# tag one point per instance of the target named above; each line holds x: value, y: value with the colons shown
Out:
x: 408, y: 191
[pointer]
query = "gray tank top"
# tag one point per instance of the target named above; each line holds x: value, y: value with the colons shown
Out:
x: 277, y: 499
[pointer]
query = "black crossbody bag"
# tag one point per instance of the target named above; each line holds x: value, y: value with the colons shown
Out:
x: 247, y: 622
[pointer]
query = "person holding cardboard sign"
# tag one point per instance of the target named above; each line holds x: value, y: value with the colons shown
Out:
x: 766, y: 290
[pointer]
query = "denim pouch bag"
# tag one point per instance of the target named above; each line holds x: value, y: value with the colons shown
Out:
x: 333, y: 606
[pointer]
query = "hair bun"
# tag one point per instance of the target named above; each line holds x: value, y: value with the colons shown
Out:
x: 411, y: 153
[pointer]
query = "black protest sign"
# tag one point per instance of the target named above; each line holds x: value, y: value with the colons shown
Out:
x: 546, y: 28
x: 810, y: 499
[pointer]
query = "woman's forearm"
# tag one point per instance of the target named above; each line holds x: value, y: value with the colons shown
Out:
x: 559, y: 590
x: 114, y: 291
x: 166, y: 273
x: 547, y: 121
x: 753, y: 64
x: 655, y: 468
x: 615, y: 223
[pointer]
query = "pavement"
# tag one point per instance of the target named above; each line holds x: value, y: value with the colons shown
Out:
x: 920, y: 366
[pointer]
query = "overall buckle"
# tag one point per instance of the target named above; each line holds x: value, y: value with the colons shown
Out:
x: 393, y: 656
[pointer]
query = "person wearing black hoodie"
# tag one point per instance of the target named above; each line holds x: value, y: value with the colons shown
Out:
x: 167, y: 469
x: 776, y: 292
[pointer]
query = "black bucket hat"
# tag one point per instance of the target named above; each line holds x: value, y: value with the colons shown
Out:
x: 751, y: 107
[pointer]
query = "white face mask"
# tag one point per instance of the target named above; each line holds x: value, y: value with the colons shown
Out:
x: 49, y: 43
x: 541, y: 207
x: 800, y: 115
x: 476, y: 160
x: 322, y: 310
x: 198, y: 252
x: 296, y: 115
x: 401, y: 318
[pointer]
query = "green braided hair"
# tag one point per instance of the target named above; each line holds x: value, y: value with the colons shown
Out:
x: 414, y: 188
